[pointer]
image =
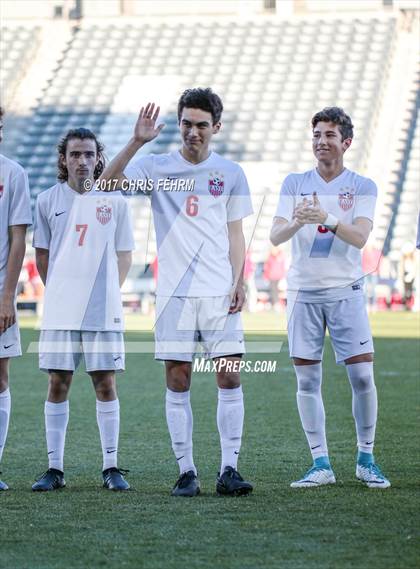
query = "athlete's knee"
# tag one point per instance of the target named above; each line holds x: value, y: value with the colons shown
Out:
x: 228, y: 380
x: 361, y: 377
x: 4, y: 374
x: 362, y: 384
x: 178, y: 375
x: 309, y: 378
x: 59, y: 385
x: 104, y: 384
x: 228, y: 372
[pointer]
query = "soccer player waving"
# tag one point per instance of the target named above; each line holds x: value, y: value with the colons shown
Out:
x: 328, y: 214
x: 15, y: 216
x: 198, y: 200
x: 83, y: 244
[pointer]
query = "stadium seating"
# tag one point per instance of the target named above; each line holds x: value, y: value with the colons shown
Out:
x: 405, y: 223
x: 272, y: 75
x: 17, y: 46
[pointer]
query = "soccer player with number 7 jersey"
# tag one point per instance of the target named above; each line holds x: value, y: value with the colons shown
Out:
x: 83, y: 243
x: 198, y: 201
x: 328, y: 213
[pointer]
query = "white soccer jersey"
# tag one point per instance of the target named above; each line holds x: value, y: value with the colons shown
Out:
x: 321, y: 261
x: 191, y: 220
x: 15, y: 206
x: 82, y: 232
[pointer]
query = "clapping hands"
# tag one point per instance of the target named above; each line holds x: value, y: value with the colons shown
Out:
x: 309, y: 211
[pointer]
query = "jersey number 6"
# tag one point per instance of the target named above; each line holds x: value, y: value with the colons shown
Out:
x: 82, y: 227
x: 192, y: 206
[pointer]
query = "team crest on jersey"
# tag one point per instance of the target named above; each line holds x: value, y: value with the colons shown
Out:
x: 216, y: 184
x: 104, y: 214
x: 346, y: 198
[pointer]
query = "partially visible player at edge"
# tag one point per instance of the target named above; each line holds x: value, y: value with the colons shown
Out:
x: 15, y: 216
x: 83, y: 244
x: 328, y: 214
x: 200, y: 291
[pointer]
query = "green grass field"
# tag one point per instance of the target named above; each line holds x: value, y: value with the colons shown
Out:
x: 86, y: 527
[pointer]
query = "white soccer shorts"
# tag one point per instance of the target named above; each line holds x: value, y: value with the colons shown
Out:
x: 347, y: 322
x: 10, y: 342
x: 184, y: 323
x: 63, y: 350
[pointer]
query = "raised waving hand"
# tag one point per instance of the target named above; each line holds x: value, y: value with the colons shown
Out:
x: 145, y: 128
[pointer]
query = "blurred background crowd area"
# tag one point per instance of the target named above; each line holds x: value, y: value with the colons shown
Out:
x: 92, y: 63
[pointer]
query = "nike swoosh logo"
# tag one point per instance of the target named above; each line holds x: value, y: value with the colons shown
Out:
x: 371, y: 443
x: 118, y: 358
x: 307, y: 194
x: 51, y: 451
x: 317, y: 446
x: 180, y: 458
x: 111, y: 451
x: 60, y: 213
x: 236, y: 452
x: 362, y: 343
x: 7, y: 347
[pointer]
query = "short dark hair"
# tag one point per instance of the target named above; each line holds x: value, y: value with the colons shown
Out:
x: 337, y: 116
x: 82, y: 134
x: 203, y: 99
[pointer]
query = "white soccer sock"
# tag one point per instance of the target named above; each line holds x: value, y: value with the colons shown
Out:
x: 56, y: 420
x: 180, y: 424
x: 365, y: 403
x: 5, y: 405
x: 230, y: 421
x: 108, y: 418
x: 311, y: 407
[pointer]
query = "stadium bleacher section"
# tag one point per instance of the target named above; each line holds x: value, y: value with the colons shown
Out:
x: 405, y: 222
x: 17, y: 46
x: 272, y: 75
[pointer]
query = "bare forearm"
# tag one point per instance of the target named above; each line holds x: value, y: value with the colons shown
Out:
x: 353, y: 234
x: 13, y: 267
x: 115, y: 169
x: 42, y: 260
x: 282, y: 232
x: 237, y: 258
x: 124, y: 264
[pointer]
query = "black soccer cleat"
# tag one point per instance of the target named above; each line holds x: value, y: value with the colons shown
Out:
x: 231, y: 483
x: 3, y: 486
x: 187, y: 485
x: 53, y: 479
x: 114, y: 479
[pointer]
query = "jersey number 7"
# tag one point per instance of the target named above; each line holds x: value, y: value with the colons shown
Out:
x: 82, y: 227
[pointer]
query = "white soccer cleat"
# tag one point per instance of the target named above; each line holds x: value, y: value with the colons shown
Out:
x: 372, y: 476
x: 315, y: 476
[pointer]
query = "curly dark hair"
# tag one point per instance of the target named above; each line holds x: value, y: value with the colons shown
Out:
x: 203, y: 99
x: 82, y: 134
x: 337, y: 116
